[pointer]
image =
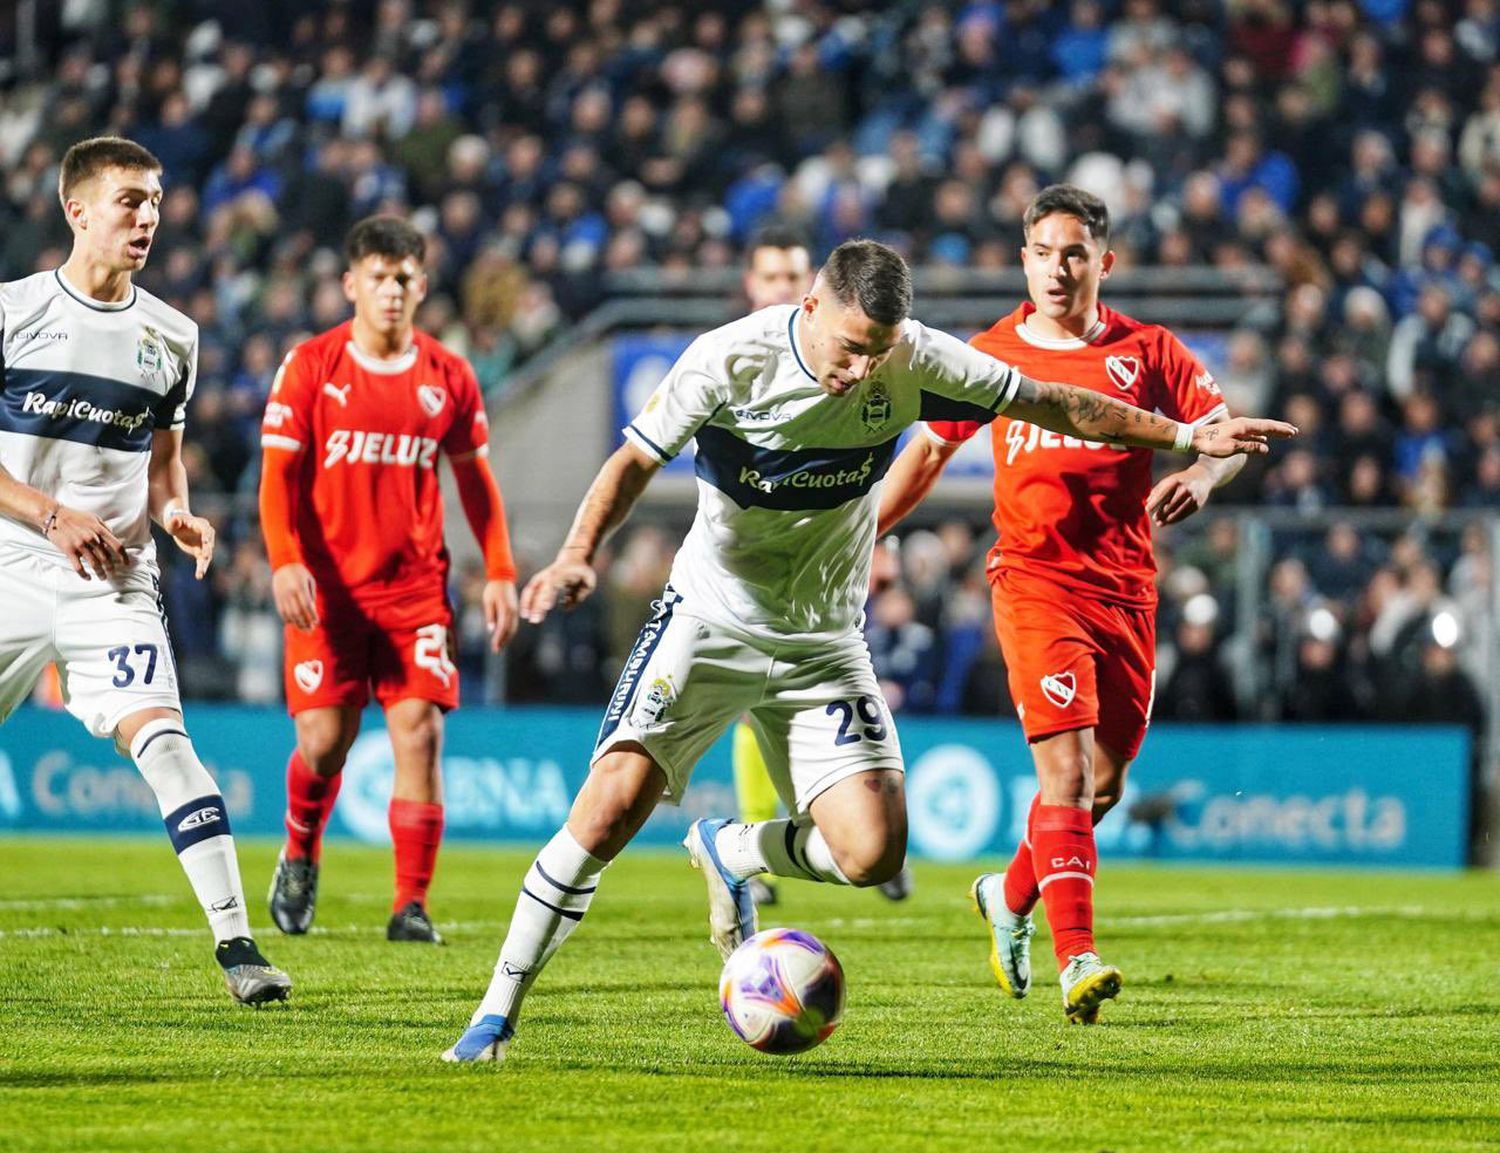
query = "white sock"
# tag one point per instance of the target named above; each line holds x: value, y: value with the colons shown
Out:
x: 196, y: 821
x: 558, y: 890
x: 786, y: 848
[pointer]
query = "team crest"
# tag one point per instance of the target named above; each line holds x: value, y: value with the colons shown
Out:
x: 308, y: 675
x: 656, y: 700
x: 150, y: 351
x: 1123, y: 370
x: 1059, y: 688
x: 877, y: 407
x: 431, y: 398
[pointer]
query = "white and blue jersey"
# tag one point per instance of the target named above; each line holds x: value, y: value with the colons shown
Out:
x: 85, y: 384
x: 788, y: 476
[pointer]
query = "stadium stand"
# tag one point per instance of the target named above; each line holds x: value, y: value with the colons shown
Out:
x: 1351, y: 147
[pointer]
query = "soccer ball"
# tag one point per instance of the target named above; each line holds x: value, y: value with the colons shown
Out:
x: 782, y: 991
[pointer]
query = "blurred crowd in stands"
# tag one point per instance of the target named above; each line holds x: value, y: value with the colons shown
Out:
x: 1352, y: 145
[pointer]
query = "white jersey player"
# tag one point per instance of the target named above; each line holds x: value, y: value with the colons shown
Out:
x: 96, y: 377
x: 796, y: 411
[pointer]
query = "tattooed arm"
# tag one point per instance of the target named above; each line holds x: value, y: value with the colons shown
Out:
x: 1091, y: 415
x: 570, y: 579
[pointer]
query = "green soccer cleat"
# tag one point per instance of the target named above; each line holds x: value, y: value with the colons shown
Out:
x: 1087, y: 983
x: 1010, y: 934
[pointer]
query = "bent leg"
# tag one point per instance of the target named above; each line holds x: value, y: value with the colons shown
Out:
x: 313, y: 775
x: 621, y: 791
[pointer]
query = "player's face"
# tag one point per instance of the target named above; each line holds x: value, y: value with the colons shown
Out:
x: 1064, y: 265
x: 114, y: 215
x: 385, y: 292
x: 777, y: 276
x: 843, y: 346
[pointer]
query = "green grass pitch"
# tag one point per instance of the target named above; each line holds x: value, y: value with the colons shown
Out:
x: 1263, y: 1009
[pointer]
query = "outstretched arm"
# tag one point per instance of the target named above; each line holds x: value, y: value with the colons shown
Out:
x: 570, y: 578
x: 911, y: 478
x: 1179, y: 495
x: 1091, y: 415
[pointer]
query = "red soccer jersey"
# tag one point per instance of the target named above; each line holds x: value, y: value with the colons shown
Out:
x: 1072, y: 511
x: 368, y: 511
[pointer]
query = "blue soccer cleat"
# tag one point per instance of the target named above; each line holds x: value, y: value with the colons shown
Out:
x: 487, y: 1040
x: 731, y: 910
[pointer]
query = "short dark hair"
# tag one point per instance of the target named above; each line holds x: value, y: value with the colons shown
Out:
x: 88, y: 158
x: 1074, y: 201
x: 774, y: 236
x: 384, y: 235
x: 871, y: 275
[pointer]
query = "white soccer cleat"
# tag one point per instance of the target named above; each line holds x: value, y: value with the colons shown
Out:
x: 1087, y: 983
x: 1010, y: 934
x: 485, y: 1040
x: 731, y: 912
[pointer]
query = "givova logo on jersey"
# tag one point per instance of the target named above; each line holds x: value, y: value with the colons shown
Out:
x: 1021, y: 437
x: 354, y: 446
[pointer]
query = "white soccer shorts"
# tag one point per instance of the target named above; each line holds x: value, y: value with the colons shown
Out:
x: 108, y: 639
x: 816, y: 710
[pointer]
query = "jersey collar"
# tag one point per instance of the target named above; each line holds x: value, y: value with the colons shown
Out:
x: 1054, y: 343
x: 402, y: 363
x: 89, y: 301
x: 791, y: 332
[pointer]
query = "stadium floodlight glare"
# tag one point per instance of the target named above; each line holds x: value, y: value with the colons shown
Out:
x: 1445, y: 629
x: 1201, y: 609
x: 1322, y: 625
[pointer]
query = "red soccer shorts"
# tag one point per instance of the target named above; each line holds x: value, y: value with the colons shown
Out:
x: 1076, y: 662
x: 402, y: 649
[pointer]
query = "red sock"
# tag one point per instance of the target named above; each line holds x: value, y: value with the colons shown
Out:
x: 416, y: 831
x: 1062, y: 853
x: 1021, y: 893
x: 309, y: 801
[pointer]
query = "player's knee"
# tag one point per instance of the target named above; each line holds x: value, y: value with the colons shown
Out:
x: 1067, y: 779
x: 419, y: 740
x: 1103, y: 802
x: 871, y: 862
x: 323, y: 746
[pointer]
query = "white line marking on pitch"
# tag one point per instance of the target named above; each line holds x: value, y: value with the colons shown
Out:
x: 41, y: 904
x: 1221, y: 916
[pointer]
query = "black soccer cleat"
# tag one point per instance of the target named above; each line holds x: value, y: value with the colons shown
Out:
x: 252, y: 980
x: 411, y: 923
x: 294, y: 894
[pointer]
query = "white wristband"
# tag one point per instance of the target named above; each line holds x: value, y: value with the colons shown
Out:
x: 170, y: 511
x: 1184, y: 438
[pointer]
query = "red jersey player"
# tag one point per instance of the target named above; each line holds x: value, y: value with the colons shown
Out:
x: 1071, y: 575
x: 352, y: 513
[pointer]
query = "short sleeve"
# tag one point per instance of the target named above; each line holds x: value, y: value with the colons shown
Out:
x: 171, y: 411
x: 696, y: 387
x: 952, y: 431
x: 469, y: 434
x: 960, y: 384
x: 287, y: 422
x: 1188, y: 391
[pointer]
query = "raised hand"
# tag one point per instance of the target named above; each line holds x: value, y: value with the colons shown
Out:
x: 1240, y: 434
